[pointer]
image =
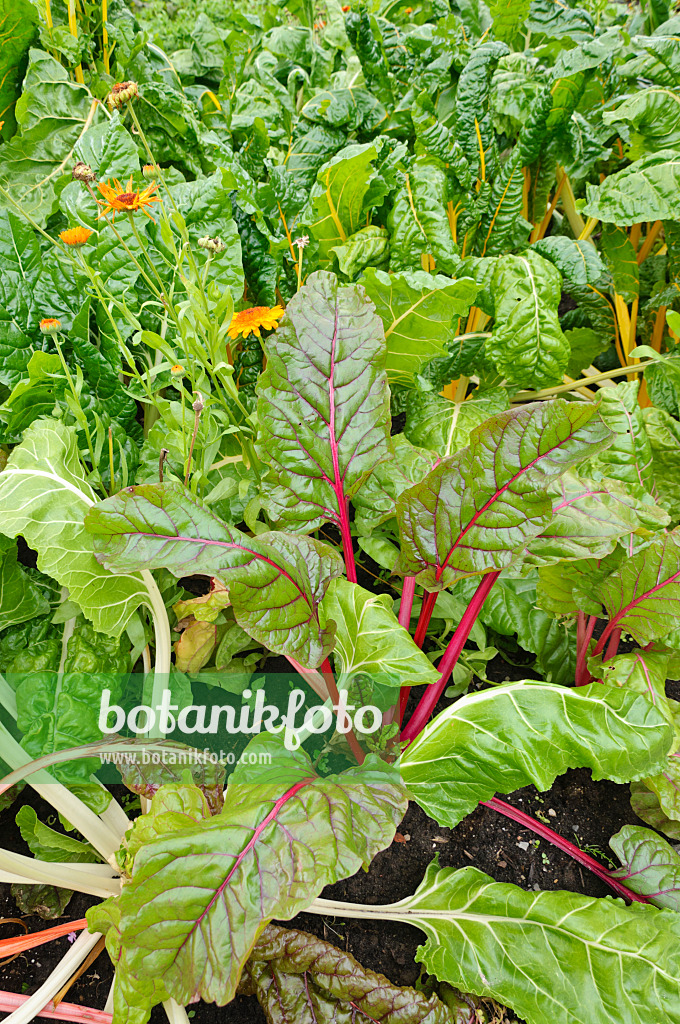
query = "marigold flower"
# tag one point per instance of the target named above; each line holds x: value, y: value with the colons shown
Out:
x: 75, y: 237
x: 346, y: 7
x: 121, y: 93
x: 50, y: 325
x: 177, y: 370
x: 83, y: 172
x: 408, y: 10
x: 251, y: 320
x: 121, y: 198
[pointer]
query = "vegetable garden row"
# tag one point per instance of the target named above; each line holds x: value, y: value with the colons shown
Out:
x: 338, y: 370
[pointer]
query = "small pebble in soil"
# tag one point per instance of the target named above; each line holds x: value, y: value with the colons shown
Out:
x: 552, y: 813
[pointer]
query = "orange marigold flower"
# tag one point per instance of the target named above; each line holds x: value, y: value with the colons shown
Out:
x: 346, y: 7
x: 121, y: 198
x: 50, y: 325
x: 75, y: 237
x: 251, y: 320
x: 408, y: 10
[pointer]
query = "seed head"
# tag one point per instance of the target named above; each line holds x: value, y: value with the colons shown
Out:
x: 121, y: 93
x: 83, y: 172
x: 211, y: 244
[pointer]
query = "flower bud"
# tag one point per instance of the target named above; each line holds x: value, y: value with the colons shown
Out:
x: 177, y: 370
x: 150, y: 172
x: 121, y: 93
x: 50, y: 325
x: 83, y: 172
x: 211, y: 244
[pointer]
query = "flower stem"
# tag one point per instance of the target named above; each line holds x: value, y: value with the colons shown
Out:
x: 451, y: 655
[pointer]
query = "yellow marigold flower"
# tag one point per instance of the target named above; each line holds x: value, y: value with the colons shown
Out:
x: 121, y: 198
x: 50, y: 325
x: 75, y: 237
x: 250, y: 320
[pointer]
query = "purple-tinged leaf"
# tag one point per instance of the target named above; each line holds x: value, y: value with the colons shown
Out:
x: 650, y: 866
x: 323, y: 403
x: 275, y: 581
x: 300, y: 979
x: 642, y: 596
x: 200, y: 897
x: 588, y: 519
x: 477, y: 509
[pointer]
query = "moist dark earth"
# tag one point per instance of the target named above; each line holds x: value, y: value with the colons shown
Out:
x: 585, y: 812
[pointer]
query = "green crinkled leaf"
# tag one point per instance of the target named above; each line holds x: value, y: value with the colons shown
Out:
x: 275, y: 581
x: 586, y: 345
x: 554, y: 957
x: 419, y: 227
x: 376, y: 501
x: 368, y: 245
x: 629, y: 457
x: 370, y: 641
x: 529, y: 732
x: 300, y: 979
x: 653, y: 114
x: 365, y: 40
x: 650, y: 866
x: 46, y: 844
x: 19, y: 21
x: 53, y: 113
x: 323, y: 403
x: 21, y: 598
x: 527, y: 344
x: 44, y: 497
x: 419, y: 312
x: 476, y: 509
x: 508, y: 18
x: 663, y: 436
x: 254, y: 862
x: 472, y: 101
x: 621, y: 260
x: 336, y: 207
x: 443, y: 426
x: 641, y: 671
x: 642, y: 596
x: 578, y: 262
x: 567, y: 587
x: 646, y: 190
x: 559, y: 21
x: 588, y: 519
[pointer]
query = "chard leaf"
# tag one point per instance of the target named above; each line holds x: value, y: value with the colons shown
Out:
x: 629, y: 457
x: 53, y: 113
x: 567, y: 587
x: 376, y: 501
x: 336, y: 202
x: 475, y: 509
x: 275, y: 581
x: 418, y: 311
x: 554, y: 957
x: 653, y: 114
x: 254, y: 862
x: 49, y: 845
x: 588, y: 519
x: 420, y: 233
x: 578, y: 262
x: 621, y: 260
x: 647, y: 806
x: 19, y: 27
x: 472, y: 101
x: 646, y: 190
x: 527, y: 345
x: 650, y: 866
x: 641, y: 671
x: 20, y: 598
x: 529, y: 732
x: 663, y: 435
x: 300, y: 979
x: 367, y: 245
x: 369, y: 640
x: 443, y: 426
x: 323, y: 403
x: 44, y: 497
x: 642, y: 596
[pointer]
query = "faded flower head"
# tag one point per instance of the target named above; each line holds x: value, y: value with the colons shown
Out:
x: 249, y: 321
x: 197, y: 404
x: 50, y: 325
x: 83, y: 172
x: 75, y: 237
x: 211, y: 244
x: 124, y: 198
x: 302, y: 242
x: 121, y: 93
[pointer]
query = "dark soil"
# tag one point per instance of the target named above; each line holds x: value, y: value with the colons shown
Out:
x: 585, y: 812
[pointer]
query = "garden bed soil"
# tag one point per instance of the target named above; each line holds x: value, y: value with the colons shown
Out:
x: 579, y: 809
